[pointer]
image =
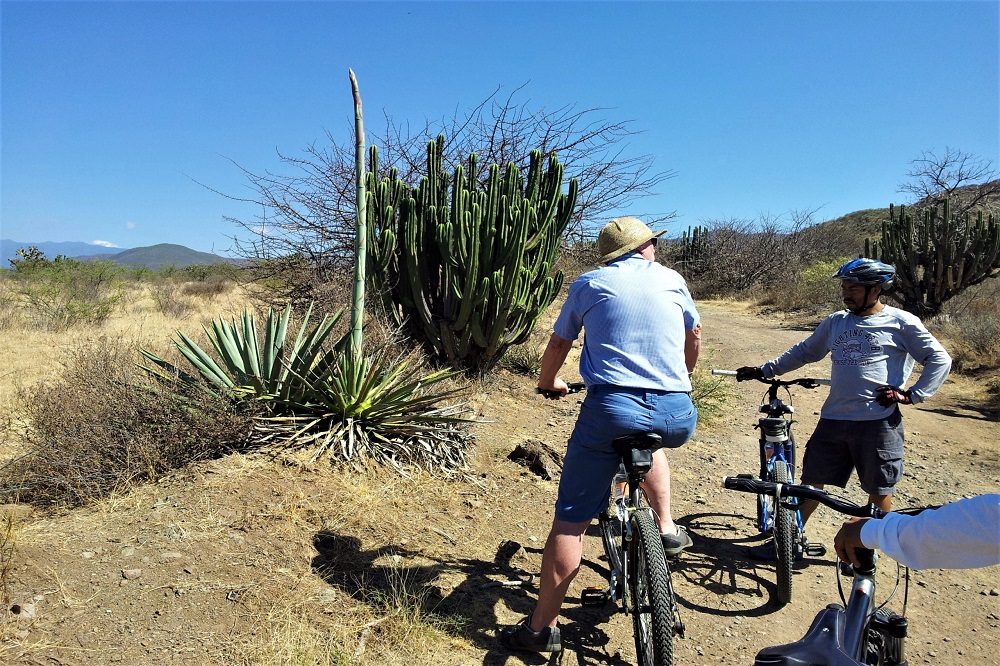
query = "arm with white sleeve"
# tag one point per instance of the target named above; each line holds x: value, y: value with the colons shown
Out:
x: 961, y: 535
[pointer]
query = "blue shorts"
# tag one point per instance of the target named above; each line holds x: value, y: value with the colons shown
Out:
x: 609, y: 412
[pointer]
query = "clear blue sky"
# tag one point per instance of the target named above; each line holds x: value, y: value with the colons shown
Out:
x: 112, y: 111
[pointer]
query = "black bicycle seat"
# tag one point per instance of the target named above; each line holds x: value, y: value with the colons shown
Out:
x: 637, y: 440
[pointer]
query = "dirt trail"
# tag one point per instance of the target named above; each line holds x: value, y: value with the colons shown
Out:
x: 240, y: 557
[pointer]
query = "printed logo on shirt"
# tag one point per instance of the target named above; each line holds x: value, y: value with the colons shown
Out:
x: 855, y: 347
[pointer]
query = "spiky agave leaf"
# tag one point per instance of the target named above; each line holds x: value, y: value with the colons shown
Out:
x: 248, y: 365
x: 380, y: 407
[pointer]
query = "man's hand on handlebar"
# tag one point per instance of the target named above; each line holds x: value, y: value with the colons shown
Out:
x: 748, y: 372
x: 848, y: 539
x: 887, y: 396
x: 557, y: 389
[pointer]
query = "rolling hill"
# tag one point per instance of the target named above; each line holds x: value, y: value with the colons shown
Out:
x: 152, y: 257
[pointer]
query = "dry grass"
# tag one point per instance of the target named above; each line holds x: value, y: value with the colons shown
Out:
x: 103, y: 424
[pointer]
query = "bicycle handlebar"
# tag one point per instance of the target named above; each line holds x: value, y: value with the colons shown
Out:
x: 571, y: 387
x: 805, y: 382
x: 750, y: 485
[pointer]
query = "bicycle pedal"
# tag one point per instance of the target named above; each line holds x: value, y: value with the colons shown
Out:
x: 815, y: 549
x: 595, y: 596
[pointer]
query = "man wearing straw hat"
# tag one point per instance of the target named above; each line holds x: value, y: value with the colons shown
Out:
x: 642, y: 341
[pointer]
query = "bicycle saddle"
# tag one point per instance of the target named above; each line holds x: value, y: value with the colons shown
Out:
x: 821, y: 646
x: 636, y: 450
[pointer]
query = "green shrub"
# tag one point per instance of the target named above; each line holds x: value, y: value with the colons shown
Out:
x: 812, y: 288
x: 61, y: 292
x: 103, y: 425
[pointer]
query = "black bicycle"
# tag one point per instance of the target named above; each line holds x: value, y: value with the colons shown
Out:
x: 777, y: 464
x: 859, y: 632
x: 639, y: 581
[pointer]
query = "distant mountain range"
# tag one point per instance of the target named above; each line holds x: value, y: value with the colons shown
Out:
x: 152, y: 257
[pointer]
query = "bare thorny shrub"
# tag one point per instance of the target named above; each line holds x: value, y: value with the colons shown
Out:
x: 971, y: 324
x: 103, y: 425
x: 305, y: 234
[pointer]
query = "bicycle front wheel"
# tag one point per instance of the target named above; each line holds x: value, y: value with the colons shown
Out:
x: 784, y: 536
x: 649, y: 584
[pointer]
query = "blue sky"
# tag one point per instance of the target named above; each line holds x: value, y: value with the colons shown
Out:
x: 112, y: 111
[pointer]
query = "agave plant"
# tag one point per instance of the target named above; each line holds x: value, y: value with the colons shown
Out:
x: 248, y: 365
x: 377, y: 405
x: 381, y: 408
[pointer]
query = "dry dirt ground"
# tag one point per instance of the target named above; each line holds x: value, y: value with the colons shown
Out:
x: 247, y: 561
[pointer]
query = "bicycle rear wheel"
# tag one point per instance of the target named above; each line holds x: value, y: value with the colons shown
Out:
x: 649, y: 584
x: 784, y: 536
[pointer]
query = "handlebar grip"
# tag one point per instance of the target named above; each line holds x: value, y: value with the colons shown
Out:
x: 572, y: 387
x: 747, y: 484
x: 727, y: 373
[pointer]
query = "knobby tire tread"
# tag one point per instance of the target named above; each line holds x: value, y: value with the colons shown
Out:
x: 784, y: 537
x: 649, y: 568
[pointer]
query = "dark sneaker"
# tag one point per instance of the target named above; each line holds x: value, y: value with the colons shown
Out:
x: 673, y: 544
x: 520, y: 637
x: 766, y: 552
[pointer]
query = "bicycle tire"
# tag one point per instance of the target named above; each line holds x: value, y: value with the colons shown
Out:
x: 784, y: 537
x: 649, y: 584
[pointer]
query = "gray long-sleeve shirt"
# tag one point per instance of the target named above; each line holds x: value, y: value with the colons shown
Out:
x: 868, y: 352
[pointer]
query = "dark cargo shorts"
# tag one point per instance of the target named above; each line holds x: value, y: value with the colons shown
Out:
x: 874, y: 448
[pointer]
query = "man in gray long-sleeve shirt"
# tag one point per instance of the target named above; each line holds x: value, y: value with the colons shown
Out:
x: 872, y: 347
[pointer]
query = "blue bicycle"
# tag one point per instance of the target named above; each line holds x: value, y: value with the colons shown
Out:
x: 781, y: 519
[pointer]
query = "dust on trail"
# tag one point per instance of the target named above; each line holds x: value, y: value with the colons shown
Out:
x: 726, y: 598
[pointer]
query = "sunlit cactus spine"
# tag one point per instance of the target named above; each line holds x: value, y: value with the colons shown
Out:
x: 938, y: 255
x: 468, y: 266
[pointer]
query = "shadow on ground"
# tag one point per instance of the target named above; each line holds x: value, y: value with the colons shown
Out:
x: 723, y: 580
x: 465, y: 589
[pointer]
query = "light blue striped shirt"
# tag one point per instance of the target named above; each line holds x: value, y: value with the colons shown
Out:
x: 635, y: 314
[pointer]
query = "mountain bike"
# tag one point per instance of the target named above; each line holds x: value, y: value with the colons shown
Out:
x: 855, y: 633
x: 639, y: 581
x: 777, y: 464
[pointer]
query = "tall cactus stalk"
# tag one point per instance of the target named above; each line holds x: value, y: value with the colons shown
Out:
x: 361, y: 238
x: 936, y: 256
x: 468, y: 267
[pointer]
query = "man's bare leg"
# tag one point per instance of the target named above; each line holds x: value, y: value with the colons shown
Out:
x: 883, y: 502
x: 560, y: 564
x: 657, y: 489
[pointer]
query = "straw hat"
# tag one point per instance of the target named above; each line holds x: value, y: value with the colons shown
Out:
x: 621, y: 235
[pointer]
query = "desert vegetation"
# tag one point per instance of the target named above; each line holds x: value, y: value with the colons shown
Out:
x: 121, y: 391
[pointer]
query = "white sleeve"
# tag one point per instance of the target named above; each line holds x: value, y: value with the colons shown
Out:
x: 960, y: 535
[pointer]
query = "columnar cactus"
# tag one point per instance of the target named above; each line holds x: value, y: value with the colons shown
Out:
x: 694, y: 245
x: 469, y: 268
x: 936, y: 256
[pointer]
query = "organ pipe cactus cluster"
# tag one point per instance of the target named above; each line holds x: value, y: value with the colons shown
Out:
x: 468, y: 266
x: 937, y: 255
x: 694, y: 246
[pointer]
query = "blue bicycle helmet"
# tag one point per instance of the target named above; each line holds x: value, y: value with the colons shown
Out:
x: 868, y: 272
